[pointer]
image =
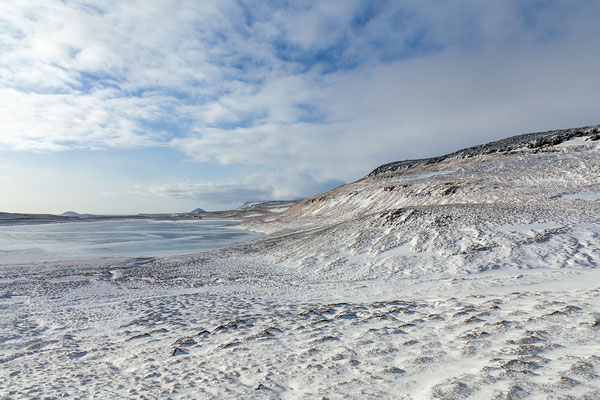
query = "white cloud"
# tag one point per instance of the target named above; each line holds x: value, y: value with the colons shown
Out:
x: 33, y: 121
x: 410, y: 109
x: 213, y: 195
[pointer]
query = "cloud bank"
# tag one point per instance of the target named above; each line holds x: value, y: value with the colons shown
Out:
x: 309, y: 93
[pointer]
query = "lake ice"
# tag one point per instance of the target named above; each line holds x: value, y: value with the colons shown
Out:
x: 115, y: 238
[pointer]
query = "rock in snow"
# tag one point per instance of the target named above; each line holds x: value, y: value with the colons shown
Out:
x: 472, y: 275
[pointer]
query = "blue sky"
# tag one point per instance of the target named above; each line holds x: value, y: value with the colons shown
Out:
x: 165, y: 106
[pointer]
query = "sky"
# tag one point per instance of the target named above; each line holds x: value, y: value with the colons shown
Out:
x: 122, y: 107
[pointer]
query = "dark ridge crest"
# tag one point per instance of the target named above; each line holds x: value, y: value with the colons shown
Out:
x: 527, y: 141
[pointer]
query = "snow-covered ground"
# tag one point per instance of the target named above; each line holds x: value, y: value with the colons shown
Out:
x: 471, y: 276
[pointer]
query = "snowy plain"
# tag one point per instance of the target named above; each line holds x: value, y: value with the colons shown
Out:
x: 468, y: 276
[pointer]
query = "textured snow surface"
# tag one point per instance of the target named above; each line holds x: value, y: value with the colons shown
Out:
x: 481, y: 282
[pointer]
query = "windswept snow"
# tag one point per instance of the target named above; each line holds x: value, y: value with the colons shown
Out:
x: 478, y: 280
x: 581, y: 196
x: 412, y: 177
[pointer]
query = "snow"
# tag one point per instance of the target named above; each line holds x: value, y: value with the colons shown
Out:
x: 252, y: 215
x: 278, y: 209
x: 482, y: 283
x: 577, y: 141
x: 582, y: 196
x: 412, y: 177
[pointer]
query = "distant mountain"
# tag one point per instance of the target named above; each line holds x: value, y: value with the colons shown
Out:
x: 73, y: 214
x: 197, y: 211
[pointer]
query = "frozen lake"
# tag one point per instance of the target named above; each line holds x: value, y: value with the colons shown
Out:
x: 118, y: 238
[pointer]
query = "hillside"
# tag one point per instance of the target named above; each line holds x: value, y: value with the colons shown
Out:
x: 475, y: 209
x: 529, y: 168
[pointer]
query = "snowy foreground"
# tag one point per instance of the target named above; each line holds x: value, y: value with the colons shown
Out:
x: 469, y: 276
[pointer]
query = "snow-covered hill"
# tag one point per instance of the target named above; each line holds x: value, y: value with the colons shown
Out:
x: 532, y: 168
x: 472, y: 210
